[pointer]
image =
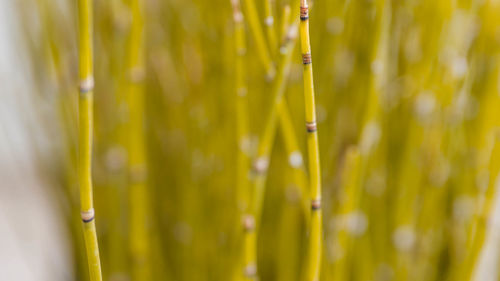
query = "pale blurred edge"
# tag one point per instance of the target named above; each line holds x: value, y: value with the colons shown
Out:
x: 34, y: 244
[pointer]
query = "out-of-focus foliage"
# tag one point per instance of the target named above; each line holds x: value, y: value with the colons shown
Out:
x: 407, y: 105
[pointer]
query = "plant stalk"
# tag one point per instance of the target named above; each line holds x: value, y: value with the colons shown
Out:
x: 85, y: 136
x: 315, y: 236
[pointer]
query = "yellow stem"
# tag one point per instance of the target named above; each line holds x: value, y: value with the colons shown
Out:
x: 262, y: 51
x: 85, y: 120
x: 348, y: 209
x: 270, y: 26
x: 261, y: 163
x: 295, y: 159
x: 315, y: 236
x: 243, y: 159
x: 138, y: 193
x: 285, y: 21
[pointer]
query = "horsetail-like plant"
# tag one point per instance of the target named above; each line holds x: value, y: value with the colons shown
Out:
x: 255, y: 28
x: 269, y: 20
x: 85, y: 133
x: 261, y: 163
x: 243, y: 160
x: 346, y: 213
x: 138, y: 194
x: 286, y: 48
x: 289, y: 34
x: 285, y: 21
x: 295, y: 159
x: 408, y: 103
x: 315, y: 235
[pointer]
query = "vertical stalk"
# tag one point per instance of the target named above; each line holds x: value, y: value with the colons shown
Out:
x: 285, y: 20
x: 139, y: 228
x: 314, y: 247
x: 270, y: 29
x: 348, y: 208
x: 85, y: 122
x: 262, y: 51
x: 243, y: 160
x: 295, y: 160
x: 261, y: 163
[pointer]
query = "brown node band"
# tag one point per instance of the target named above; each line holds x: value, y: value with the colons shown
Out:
x: 315, y: 204
x: 304, y: 13
x: 306, y: 58
x: 88, y: 216
x: 311, y: 127
x: 89, y: 220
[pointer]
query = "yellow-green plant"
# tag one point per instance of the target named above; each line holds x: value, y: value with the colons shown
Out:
x: 295, y: 159
x: 348, y: 216
x: 85, y: 130
x: 261, y: 162
x: 406, y: 101
x: 312, y: 268
x: 138, y: 193
x: 270, y: 26
x: 255, y: 27
x: 248, y: 256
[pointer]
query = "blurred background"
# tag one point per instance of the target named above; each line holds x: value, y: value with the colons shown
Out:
x: 407, y: 94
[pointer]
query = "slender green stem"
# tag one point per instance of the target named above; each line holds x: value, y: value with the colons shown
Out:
x: 138, y: 193
x: 255, y: 27
x: 85, y: 107
x: 349, y: 195
x: 314, y: 249
x: 261, y: 163
x: 285, y: 20
x: 243, y: 159
x: 295, y: 159
x: 270, y: 26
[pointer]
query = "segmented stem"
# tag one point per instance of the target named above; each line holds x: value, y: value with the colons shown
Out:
x: 249, y: 252
x: 85, y: 122
x: 261, y: 163
x: 314, y: 249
